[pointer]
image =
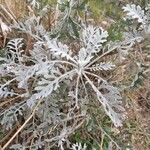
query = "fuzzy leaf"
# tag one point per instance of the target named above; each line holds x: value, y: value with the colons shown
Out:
x: 103, y: 66
x: 135, y: 12
x: 58, y: 49
x: 93, y: 38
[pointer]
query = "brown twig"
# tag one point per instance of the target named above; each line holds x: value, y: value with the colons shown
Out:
x: 56, y: 15
x: 8, y: 134
x: 21, y: 128
x: 10, y: 100
x: 8, y: 13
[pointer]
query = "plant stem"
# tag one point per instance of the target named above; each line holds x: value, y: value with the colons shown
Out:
x: 21, y: 128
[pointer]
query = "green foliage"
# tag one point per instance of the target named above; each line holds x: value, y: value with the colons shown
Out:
x: 51, y: 2
x: 103, y: 8
x: 91, y: 143
x: 2, y: 52
x: 116, y: 30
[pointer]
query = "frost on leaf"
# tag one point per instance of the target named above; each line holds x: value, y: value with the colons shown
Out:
x: 133, y: 37
x: 102, y: 66
x: 34, y: 3
x: 5, y: 92
x: 112, y: 106
x: 17, y: 147
x: 23, y: 74
x: 142, y: 16
x: 5, y: 29
x: 93, y: 38
x: 110, y: 99
x: 78, y: 146
x: 15, y: 44
x: 10, y: 116
x: 135, y: 12
x: 83, y: 57
x: 14, y: 49
x: 32, y: 26
x: 58, y: 49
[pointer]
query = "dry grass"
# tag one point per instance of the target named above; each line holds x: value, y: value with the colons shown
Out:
x: 16, y: 7
x: 137, y: 125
